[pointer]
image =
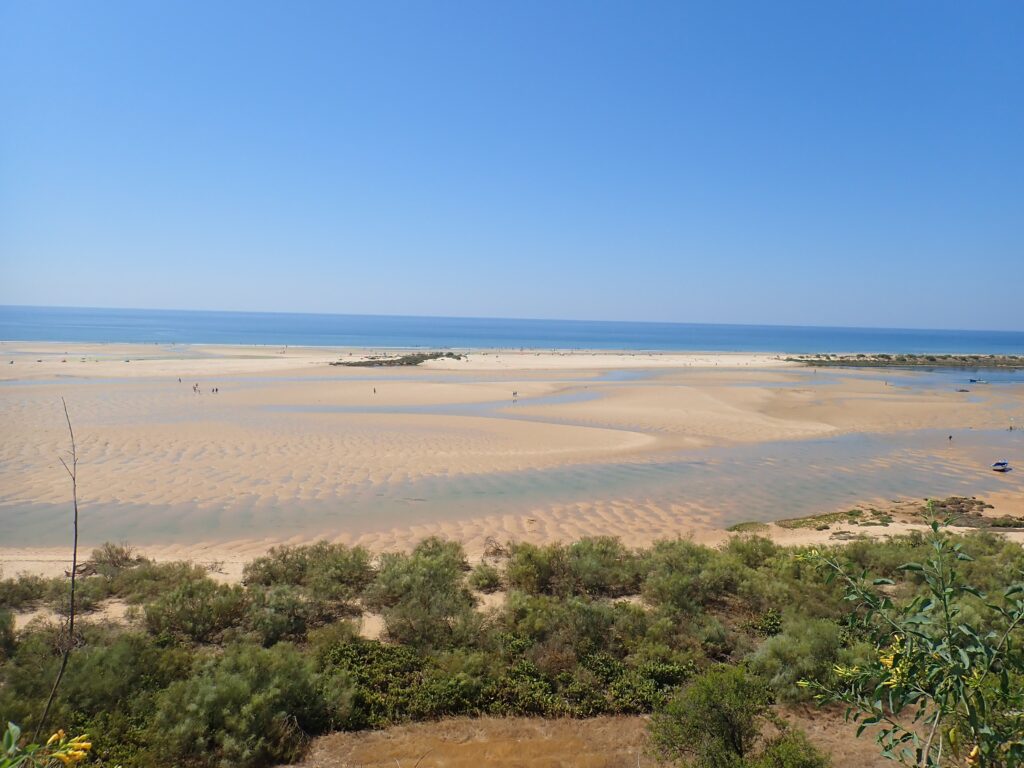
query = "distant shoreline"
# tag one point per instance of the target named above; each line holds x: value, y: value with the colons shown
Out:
x: 845, y: 359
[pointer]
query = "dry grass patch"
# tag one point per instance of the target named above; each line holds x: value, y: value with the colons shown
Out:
x: 601, y: 742
x: 522, y: 742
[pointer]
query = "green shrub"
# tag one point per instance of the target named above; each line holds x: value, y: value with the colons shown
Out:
x: 790, y: 749
x: 961, y: 682
x: 768, y: 624
x: 485, y: 578
x: 575, y: 627
x: 149, y: 581
x: 685, y: 577
x: 250, y: 707
x: 752, y: 551
x: 280, y: 613
x: 7, y: 639
x: 523, y: 691
x: 603, y: 566
x: 556, y: 647
x: 110, y: 688
x: 538, y: 570
x: 715, y: 719
x: 197, y: 611
x: 111, y: 558
x: 378, y: 681
x: 115, y: 667
x: 371, y: 684
x: 597, y: 566
x: 806, y: 649
x: 422, y: 596
x: 89, y: 593
x: 321, y: 640
x: 329, y: 571
x: 24, y: 591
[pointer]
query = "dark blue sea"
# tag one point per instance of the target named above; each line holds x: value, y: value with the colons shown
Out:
x: 378, y: 331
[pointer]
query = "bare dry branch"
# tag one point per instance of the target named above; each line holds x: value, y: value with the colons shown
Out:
x: 70, y: 640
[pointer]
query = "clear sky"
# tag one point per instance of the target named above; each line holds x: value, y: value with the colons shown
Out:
x: 824, y: 163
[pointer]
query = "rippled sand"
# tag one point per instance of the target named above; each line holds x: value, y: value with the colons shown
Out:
x: 636, y: 445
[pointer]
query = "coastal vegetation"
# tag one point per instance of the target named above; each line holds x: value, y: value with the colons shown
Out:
x: 910, y: 361
x: 969, y: 512
x: 920, y: 634
x: 384, y: 361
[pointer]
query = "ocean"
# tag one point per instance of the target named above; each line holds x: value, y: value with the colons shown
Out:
x: 69, y: 324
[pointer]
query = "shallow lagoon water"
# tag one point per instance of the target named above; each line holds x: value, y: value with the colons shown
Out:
x: 726, y: 484
x: 751, y: 482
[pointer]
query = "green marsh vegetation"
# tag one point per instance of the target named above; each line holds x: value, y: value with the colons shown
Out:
x: 911, y: 361
x: 396, y: 361
x: 212, y: 674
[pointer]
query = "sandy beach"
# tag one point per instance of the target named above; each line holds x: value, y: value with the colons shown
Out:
x: 292, y: 449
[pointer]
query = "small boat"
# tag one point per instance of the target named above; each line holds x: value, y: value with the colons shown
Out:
x: 1001, y: 466
x: 977, y: 381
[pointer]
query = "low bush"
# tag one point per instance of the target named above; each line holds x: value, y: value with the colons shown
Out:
x: 111, y: 558
x: 716, y: 719
x: 215, y: 680
x: 485, y: 578
x: 281, y: 612
x: 89, y: 593
x: 197, y: 611
x: 423, y: 596
x: 249, y: 707
x: 716, y: 722
x: 790, y: 749
x: 7, y: 641
x: 23, y: 591
x: 597, y: 566
x: 377, y: 682
x: 149, y: 580
x: 686, y: 578
x: 806, y: 649
x: 330, y: 572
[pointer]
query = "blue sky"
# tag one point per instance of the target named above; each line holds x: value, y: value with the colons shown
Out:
x: 825, y: 163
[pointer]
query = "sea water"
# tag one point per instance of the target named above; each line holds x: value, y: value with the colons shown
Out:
x: 393, y: 331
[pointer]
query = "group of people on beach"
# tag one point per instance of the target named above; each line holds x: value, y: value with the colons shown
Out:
x: 198, y: 391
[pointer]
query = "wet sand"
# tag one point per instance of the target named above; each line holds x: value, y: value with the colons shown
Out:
x: 640, y: 445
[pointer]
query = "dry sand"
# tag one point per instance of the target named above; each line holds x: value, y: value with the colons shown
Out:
x: 292, y: 449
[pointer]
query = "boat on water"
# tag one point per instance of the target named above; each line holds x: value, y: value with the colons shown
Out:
x: 977, y: 381
x: 1001, y: 466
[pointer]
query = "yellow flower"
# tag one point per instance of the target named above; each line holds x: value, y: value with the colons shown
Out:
x: 55, y: 737
x: 845, y: 672
x: 887, y: 660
